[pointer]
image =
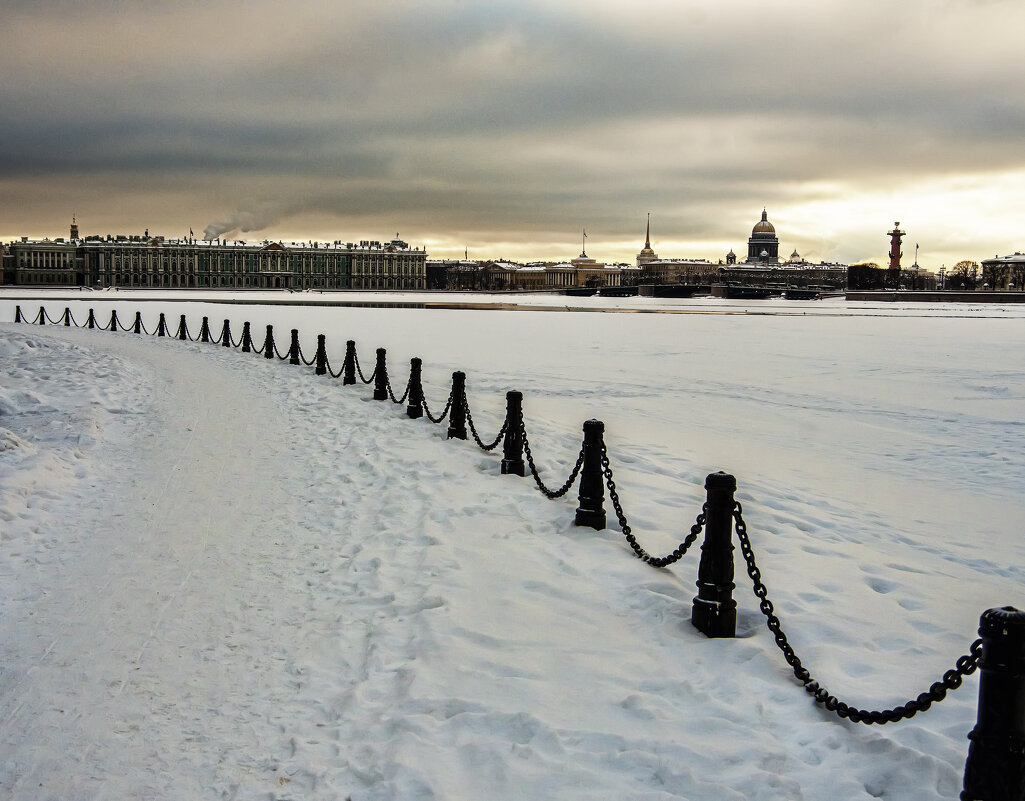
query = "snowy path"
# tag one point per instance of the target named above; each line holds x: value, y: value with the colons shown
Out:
x: 225, y: 577
x: 174, y: 558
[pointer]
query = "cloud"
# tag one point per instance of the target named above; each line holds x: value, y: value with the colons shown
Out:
x: 506, y: 119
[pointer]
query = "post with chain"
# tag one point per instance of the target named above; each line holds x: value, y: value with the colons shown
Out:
x: 226, y: 334
x: 113, y: 321
x: 321, y: 356
x: 247, y: 338
x: 457, y: 419
x: 714, y: 611
x: 415, y: 406
x: 42, y: 315
x: 381, y: 376
x: 137, y: 326
x: 183, y: 329
x: 293, y: 350
x: 90, y: 322
x: 204, y: 330
x: 995, y: 769
x: 591, y: 512
x: 349, y: 365
x: 162, y: 326
x: 67, y: 316
x: 512, y: 448
x: 17, y: 314
x: 268, y: 343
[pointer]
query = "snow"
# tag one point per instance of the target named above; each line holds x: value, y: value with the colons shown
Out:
x: 226, y: 577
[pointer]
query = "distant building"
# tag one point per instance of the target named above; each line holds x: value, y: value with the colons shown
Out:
x: 186, y: 263
x: 1004, y: 272
x: 679, y: 271
x: 763, y: 246
x: 647, y: 254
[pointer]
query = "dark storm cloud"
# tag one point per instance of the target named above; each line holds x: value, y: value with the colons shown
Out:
x: 534, y: 115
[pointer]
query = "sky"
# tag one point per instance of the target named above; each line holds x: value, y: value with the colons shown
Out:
x: 505, y: 129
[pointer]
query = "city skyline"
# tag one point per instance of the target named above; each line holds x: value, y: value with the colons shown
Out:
x: 506, y: 128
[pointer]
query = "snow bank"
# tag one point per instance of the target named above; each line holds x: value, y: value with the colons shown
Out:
x: 259, y: 583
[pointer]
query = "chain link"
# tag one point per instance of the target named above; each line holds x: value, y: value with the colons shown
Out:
x: 359, y: 370
x: 330, y: 372
x: 550, y: 493
x: 952, y: 679
x: 303, y: 358
x: 643, y: 555
x: 476, y: 437
x: 443, y: 415
x: 405, y: 394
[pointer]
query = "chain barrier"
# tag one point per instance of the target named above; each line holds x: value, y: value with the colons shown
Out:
x: 952, y: 679
x: 550, y: 493
x: 145, y: 330
x: 443, y: 415
x: 404, y: 394
x: 330, y: 372
x: 302, y: 358
x: 278, y: 352
x: 476, y: 437
x: 643, y: 555
x: 359, y: 370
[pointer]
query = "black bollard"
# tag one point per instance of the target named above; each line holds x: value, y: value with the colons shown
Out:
x: 137, y: 328
x: 591, y: 512
x: 204, y: 330
x: 349, y: 365
x: 247, y: 338
x: 457, y: 417
x: 268, y: 343
x: 415, y: 406
x: 321, y: 355
x: 381, y: 376
x: 113, y: 320
x: 293, y: 350
x: 89, y: 323
x: 17, y: 314
x: 183, y: 329
x: 42, y: 315
x: 512, y: 447
x: 226, y: 334
x: 995, y: 769
x: 714, y: 611
x: 67, y: 317
x: 162, y: 326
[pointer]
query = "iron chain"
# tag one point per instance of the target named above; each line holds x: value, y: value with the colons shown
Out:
x: 359, y: 370
x: 537, y: 478
x: 404, y: 394
x: 952, y: 679
x: 654, y: 561
x: 476, y: 437
x: 443, y: 415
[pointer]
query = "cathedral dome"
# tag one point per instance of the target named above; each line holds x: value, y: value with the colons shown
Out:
x: 763, y: 226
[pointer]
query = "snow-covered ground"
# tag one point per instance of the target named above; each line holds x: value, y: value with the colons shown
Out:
x: 226, y: 577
